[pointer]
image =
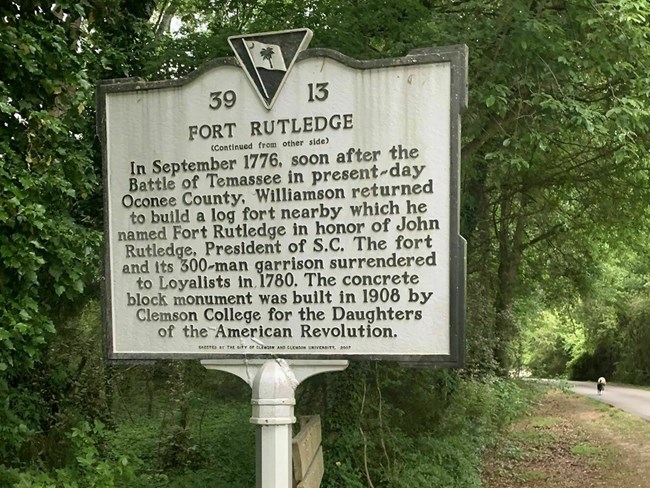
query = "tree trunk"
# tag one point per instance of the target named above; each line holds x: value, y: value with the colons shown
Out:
x: 510, y: 236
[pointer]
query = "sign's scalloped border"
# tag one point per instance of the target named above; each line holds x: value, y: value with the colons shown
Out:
x: 457, y: 56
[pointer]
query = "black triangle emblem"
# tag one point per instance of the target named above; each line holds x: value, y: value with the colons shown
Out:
x: 268, y: 57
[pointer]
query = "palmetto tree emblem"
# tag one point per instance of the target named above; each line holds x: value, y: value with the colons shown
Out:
x: 267, y: 57
x: 267, y: 54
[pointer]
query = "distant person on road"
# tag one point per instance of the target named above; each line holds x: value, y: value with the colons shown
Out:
x: 601, y: 385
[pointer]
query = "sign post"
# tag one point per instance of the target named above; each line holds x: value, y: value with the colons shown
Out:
x: 273, y: 384
x: 285, y: 205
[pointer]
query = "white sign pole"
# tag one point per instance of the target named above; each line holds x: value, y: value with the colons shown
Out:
x: 274, y: 383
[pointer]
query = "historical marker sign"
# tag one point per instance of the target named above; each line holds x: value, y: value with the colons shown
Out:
x: 306, y: 209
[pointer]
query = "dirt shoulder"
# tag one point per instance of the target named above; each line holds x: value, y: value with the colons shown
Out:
x: 571, y: 442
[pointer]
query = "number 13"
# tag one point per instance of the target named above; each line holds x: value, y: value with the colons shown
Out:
x: 318, y: 92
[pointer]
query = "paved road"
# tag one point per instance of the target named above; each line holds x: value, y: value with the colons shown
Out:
x: 631, y: 400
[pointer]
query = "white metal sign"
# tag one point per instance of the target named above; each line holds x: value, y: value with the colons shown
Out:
x: 317, y: 221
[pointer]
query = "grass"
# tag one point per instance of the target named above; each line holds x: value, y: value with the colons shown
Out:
x: 539, y: 422
x: 573, y: 442
x: 209, y: 443
x: 219, y: 450
x: 585, y: 449
x: 532, y: 437
x: 532, y: 475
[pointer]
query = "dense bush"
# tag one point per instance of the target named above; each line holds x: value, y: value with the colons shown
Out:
x: 634, y: 363
x: 91, y: 466
x: 405, y: 428
x: 589, y: 366
x: 382, y: 424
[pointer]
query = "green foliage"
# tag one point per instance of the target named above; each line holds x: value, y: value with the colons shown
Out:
x: 71, y: 387
x: 216, y: 447
x: 177, y: 448
x: 480, y: 335
x: 400, y: 427
x: 48, y: 244
x: 612, y: 315
x: 634, y: 362
x: 90, y: 467
x: 590, y: 365
x: 552, y: 341
x: 554, y: 162
x: 50, y: 215
x: 547, y: 159
x: 179, y: 451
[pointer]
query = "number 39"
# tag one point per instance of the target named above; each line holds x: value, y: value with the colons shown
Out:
x: 226, y: 99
